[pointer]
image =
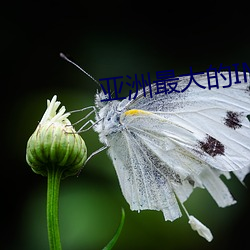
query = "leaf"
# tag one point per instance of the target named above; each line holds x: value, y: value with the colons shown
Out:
x: 117, y: 234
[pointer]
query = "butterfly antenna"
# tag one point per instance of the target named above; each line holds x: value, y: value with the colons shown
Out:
x: 68, y: 60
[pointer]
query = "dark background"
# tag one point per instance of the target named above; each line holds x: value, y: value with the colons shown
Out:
x: 107, y: 39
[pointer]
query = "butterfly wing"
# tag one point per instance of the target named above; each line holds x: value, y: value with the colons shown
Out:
x: 216, y: 117
x: 174, y: 143
x: 141, y: 183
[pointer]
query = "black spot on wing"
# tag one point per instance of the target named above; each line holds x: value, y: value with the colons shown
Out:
x: 212, y: 146
x: 233, y: 119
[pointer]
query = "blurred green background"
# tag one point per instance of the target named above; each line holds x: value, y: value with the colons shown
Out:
x: 107, y: 39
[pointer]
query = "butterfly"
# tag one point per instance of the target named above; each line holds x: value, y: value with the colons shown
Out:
x: 165, y: 146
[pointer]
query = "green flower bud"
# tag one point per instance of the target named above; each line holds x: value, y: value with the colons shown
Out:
x: 55, y: 144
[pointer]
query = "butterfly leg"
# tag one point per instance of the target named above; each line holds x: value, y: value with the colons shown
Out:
x: 82, y: 128
x: 86, y: 116
x: 94, y: 153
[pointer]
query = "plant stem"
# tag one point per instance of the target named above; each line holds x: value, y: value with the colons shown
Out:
x: 54, y: 177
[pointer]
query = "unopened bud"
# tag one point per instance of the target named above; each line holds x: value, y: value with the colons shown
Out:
x: 55, y: 143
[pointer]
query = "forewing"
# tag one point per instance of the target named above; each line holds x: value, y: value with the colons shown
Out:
x: 216, y: 117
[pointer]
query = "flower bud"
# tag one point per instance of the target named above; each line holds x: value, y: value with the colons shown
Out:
x: 55, y: 144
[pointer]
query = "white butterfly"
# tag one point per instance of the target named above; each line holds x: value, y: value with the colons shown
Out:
x: 165, y: 146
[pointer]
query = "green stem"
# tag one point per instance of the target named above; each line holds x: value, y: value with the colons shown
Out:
x: 54, y: 177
